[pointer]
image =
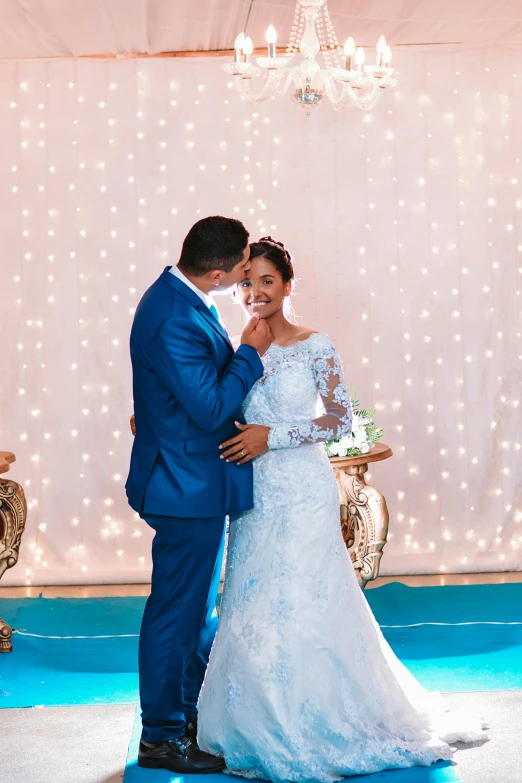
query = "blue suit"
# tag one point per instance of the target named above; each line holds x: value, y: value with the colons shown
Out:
x: 188, y: 389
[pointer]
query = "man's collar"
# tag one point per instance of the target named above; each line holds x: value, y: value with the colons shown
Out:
x: 195, y: 299
x: 206, y: 298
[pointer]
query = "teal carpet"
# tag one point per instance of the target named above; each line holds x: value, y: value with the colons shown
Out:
x: 442, y: 772
x: 397, y: 604
x: 45, y: 671
x: 453, y: 657
x: 55, y: 672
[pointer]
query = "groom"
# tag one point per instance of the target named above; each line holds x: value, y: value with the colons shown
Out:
x: 188, y: 389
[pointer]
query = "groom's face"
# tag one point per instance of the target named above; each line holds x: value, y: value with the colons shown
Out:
x: 237, y: 274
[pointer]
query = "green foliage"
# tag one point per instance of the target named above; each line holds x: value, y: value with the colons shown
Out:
x: 366, y: 413
x: 373, y: 433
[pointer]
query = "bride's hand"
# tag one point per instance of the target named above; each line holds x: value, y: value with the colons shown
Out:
x: 252, y: 442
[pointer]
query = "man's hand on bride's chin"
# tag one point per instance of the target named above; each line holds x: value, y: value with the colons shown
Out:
x: 250, y: 443
x: 257, y: 334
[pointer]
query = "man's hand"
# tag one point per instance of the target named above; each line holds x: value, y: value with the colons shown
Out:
x: 133, y: 424
x: 252, y: 442
x: 257, y: 334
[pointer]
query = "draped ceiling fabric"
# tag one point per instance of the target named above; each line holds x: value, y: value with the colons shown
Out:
x: 72, y: 28
x: 406, y: 228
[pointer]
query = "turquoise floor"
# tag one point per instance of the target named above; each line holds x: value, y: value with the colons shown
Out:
x: 475, y: 657
x: 104, y: 670
x: 71, y: 671
x: 446, y: 657
x: 397, y: 604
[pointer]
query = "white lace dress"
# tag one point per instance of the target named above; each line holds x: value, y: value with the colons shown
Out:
x: 302, y: 685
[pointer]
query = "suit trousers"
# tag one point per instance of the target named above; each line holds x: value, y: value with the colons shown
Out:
x: 179, y: 622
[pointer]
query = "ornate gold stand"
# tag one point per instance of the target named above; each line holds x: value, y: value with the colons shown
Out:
x: 364, y: 513
x: 13, y: 513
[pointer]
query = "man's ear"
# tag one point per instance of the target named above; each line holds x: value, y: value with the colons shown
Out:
x: 215, y: 276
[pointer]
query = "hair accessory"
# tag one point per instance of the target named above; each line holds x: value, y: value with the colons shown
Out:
x: 273, y: 241
x: 279, y: 244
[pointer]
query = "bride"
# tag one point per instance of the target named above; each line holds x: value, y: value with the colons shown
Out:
x: 302, y: 685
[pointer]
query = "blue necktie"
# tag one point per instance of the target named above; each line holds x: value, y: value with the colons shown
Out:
x: 213, y: 309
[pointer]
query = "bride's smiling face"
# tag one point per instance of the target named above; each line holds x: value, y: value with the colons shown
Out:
x: 263, y: 290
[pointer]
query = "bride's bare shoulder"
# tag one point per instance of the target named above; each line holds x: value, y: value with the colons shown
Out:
x: 304, y: 334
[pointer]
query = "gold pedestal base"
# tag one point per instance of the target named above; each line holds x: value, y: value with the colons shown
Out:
x: 13, y: 513
x: 5, y: 637
x: 364, y: 513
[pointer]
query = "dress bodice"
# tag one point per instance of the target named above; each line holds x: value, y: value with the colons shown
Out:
x: 301, y: 396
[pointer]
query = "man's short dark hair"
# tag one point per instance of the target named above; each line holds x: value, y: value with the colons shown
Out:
x: 213, y: 243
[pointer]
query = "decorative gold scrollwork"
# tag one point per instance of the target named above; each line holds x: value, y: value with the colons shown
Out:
x: 364, y: 513
x: 13, y: 513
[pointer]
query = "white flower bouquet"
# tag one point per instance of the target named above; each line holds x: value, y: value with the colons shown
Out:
x: 363, y: 436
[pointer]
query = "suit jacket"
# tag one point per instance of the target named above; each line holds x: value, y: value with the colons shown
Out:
x: 188, y: 389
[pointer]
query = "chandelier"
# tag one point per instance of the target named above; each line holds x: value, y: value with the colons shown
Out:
x: 344, y: 80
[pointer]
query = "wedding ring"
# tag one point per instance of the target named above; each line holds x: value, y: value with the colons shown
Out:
x: 243, y: 453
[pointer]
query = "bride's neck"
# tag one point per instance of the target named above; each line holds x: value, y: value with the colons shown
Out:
x: 280, y: 326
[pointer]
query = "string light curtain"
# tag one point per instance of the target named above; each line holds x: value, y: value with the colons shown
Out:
x: 406, y: 228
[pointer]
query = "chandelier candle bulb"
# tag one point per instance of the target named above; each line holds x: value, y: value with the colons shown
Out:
x: 248, y: 48
x: 387, y: 56
x: 360, y: 57
x: 381, y: 48
x: 271, y: 37
x: 349, y: 50
x: 238, y: 45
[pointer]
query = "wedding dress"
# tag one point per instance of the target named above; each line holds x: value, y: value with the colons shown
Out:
x: 301, y: 684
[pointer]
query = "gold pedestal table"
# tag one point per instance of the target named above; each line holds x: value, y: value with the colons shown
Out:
x: 364, y: 513
x: 13, y: 513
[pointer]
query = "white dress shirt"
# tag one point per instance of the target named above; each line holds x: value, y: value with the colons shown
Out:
x: 202, y: 295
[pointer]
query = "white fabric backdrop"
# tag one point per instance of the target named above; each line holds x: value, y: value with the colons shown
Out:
x: 406, y: 226
x: 72, y: 28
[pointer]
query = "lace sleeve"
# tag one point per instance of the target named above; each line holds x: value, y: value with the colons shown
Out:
x: 337, y: 419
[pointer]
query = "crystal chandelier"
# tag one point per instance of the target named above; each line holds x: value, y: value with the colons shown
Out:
x: 345, y: 80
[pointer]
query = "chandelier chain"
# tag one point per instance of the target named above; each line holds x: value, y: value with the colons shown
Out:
x: 334, y: 43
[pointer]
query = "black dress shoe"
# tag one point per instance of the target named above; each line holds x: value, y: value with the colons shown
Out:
x: 191, y: 729
x: 178, y: 755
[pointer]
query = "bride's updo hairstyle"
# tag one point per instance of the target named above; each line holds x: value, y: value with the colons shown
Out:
x: 277, y: 254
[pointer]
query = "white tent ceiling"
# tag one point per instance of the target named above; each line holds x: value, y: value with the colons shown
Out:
x: 71, y: 28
